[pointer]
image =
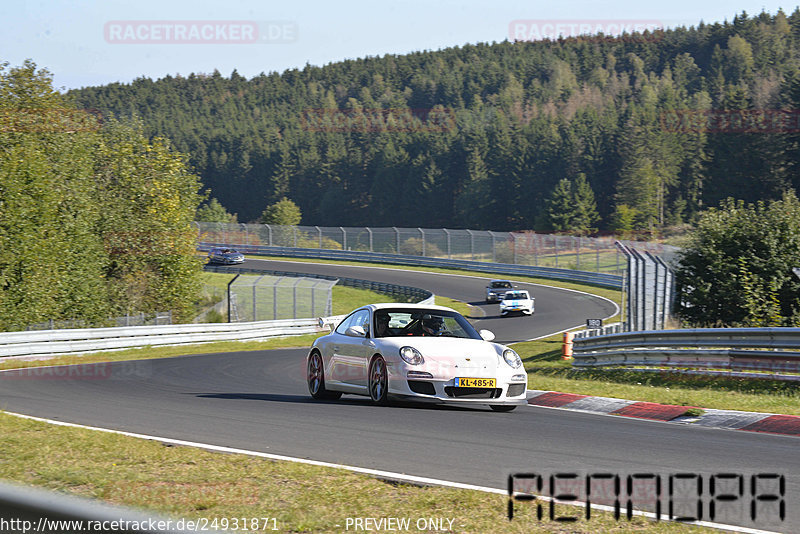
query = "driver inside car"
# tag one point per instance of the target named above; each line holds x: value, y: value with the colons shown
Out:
x: 432, y: 325
x: 382, y: 325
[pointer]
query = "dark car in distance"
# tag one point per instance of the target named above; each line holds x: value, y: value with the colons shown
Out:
x: 496, y: 289
x: 225, y: 256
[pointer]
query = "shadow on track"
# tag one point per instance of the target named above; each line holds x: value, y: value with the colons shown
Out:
x: 354, y: 400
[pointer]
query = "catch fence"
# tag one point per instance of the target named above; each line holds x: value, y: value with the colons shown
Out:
x: 593, y: 254
x: 266, y: 297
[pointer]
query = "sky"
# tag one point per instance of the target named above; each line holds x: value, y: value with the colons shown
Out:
x: 85, y: 43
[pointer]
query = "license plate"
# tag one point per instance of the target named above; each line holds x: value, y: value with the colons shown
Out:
x: 475, y: 382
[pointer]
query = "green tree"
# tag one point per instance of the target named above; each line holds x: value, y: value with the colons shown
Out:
x: 93, y: 220
x: 737, y: 267
x: 585, y: 212
x: 284, y: 212
x: 623, y: 219
x: 560, y: 205
x: 571, y: 207
x: 213, y: 211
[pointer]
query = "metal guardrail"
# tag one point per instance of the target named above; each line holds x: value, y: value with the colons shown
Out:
x: 772, y: 353
x: 80, y: 340
x: 51, y: 342
x: 612, y: 328
x: 597, y: 279
x: 24, y: 510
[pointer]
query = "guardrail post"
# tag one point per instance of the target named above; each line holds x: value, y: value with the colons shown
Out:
x: 494, y: 247
x: 578, y: 253
x: 447, y: 232
x: 555, y: 248
x: 294, y: 299
x: 229, y: 296
x: 421, y: 231
x: 369, y: 231
x: 471, y: 244
x: 294, y: 232
x: 397, y: 233
x: 514, y: 246
x: 597, y: 256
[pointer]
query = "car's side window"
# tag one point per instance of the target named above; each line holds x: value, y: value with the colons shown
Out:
x: 345, y: 324
x: 359, y: 318
x: 362, y: 319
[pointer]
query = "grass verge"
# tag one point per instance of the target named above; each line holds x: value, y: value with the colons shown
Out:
x: 547, y: 371
x: 193, y: 483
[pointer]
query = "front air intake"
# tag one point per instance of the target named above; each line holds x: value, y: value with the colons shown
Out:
x: 473, y: 393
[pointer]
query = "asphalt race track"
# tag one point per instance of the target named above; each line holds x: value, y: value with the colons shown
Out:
x: 556, y: 309
x: 259, y: 401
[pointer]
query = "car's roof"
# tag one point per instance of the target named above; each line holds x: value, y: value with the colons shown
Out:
x: 403, y: 306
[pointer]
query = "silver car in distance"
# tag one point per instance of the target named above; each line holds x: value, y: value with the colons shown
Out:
x: 411, y: 351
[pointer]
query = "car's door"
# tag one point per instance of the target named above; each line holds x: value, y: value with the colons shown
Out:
x: 349, y: 353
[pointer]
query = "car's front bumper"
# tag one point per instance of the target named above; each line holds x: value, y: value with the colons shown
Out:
x: 516, y: 309
x: 444, y: 391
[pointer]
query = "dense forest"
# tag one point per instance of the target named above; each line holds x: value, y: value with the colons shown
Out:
x: 616, y: 133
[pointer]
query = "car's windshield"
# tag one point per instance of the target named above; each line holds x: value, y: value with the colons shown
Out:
x: 422, y: 322
x: 501, y: 285
x: 515, y: 295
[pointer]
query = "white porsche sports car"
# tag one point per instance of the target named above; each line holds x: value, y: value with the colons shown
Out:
x: 412, y: 351
x: 516, y: 301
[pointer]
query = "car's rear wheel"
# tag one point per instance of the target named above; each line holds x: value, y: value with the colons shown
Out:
x: 316, y: 379
x: 378, y: 381
x: 502, y: 407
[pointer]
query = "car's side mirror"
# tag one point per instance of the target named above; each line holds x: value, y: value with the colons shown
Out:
x: 356, y: 331
x: 487, y: 335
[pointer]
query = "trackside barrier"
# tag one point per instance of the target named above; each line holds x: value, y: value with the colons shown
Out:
x: 612, y: 281
x: 24, y: 509
x: 611, y: 328
x: 422, y: 296
x: 772, y: 353
x: 72, y: 341
x: 50, y: 342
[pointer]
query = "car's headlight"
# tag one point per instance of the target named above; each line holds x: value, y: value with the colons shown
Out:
x: 512, y: 358
x: 411, y: 355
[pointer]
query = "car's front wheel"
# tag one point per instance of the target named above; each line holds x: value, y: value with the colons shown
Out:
x: 316, y: 379
x: 502, y: 407
x: 378, y: 381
